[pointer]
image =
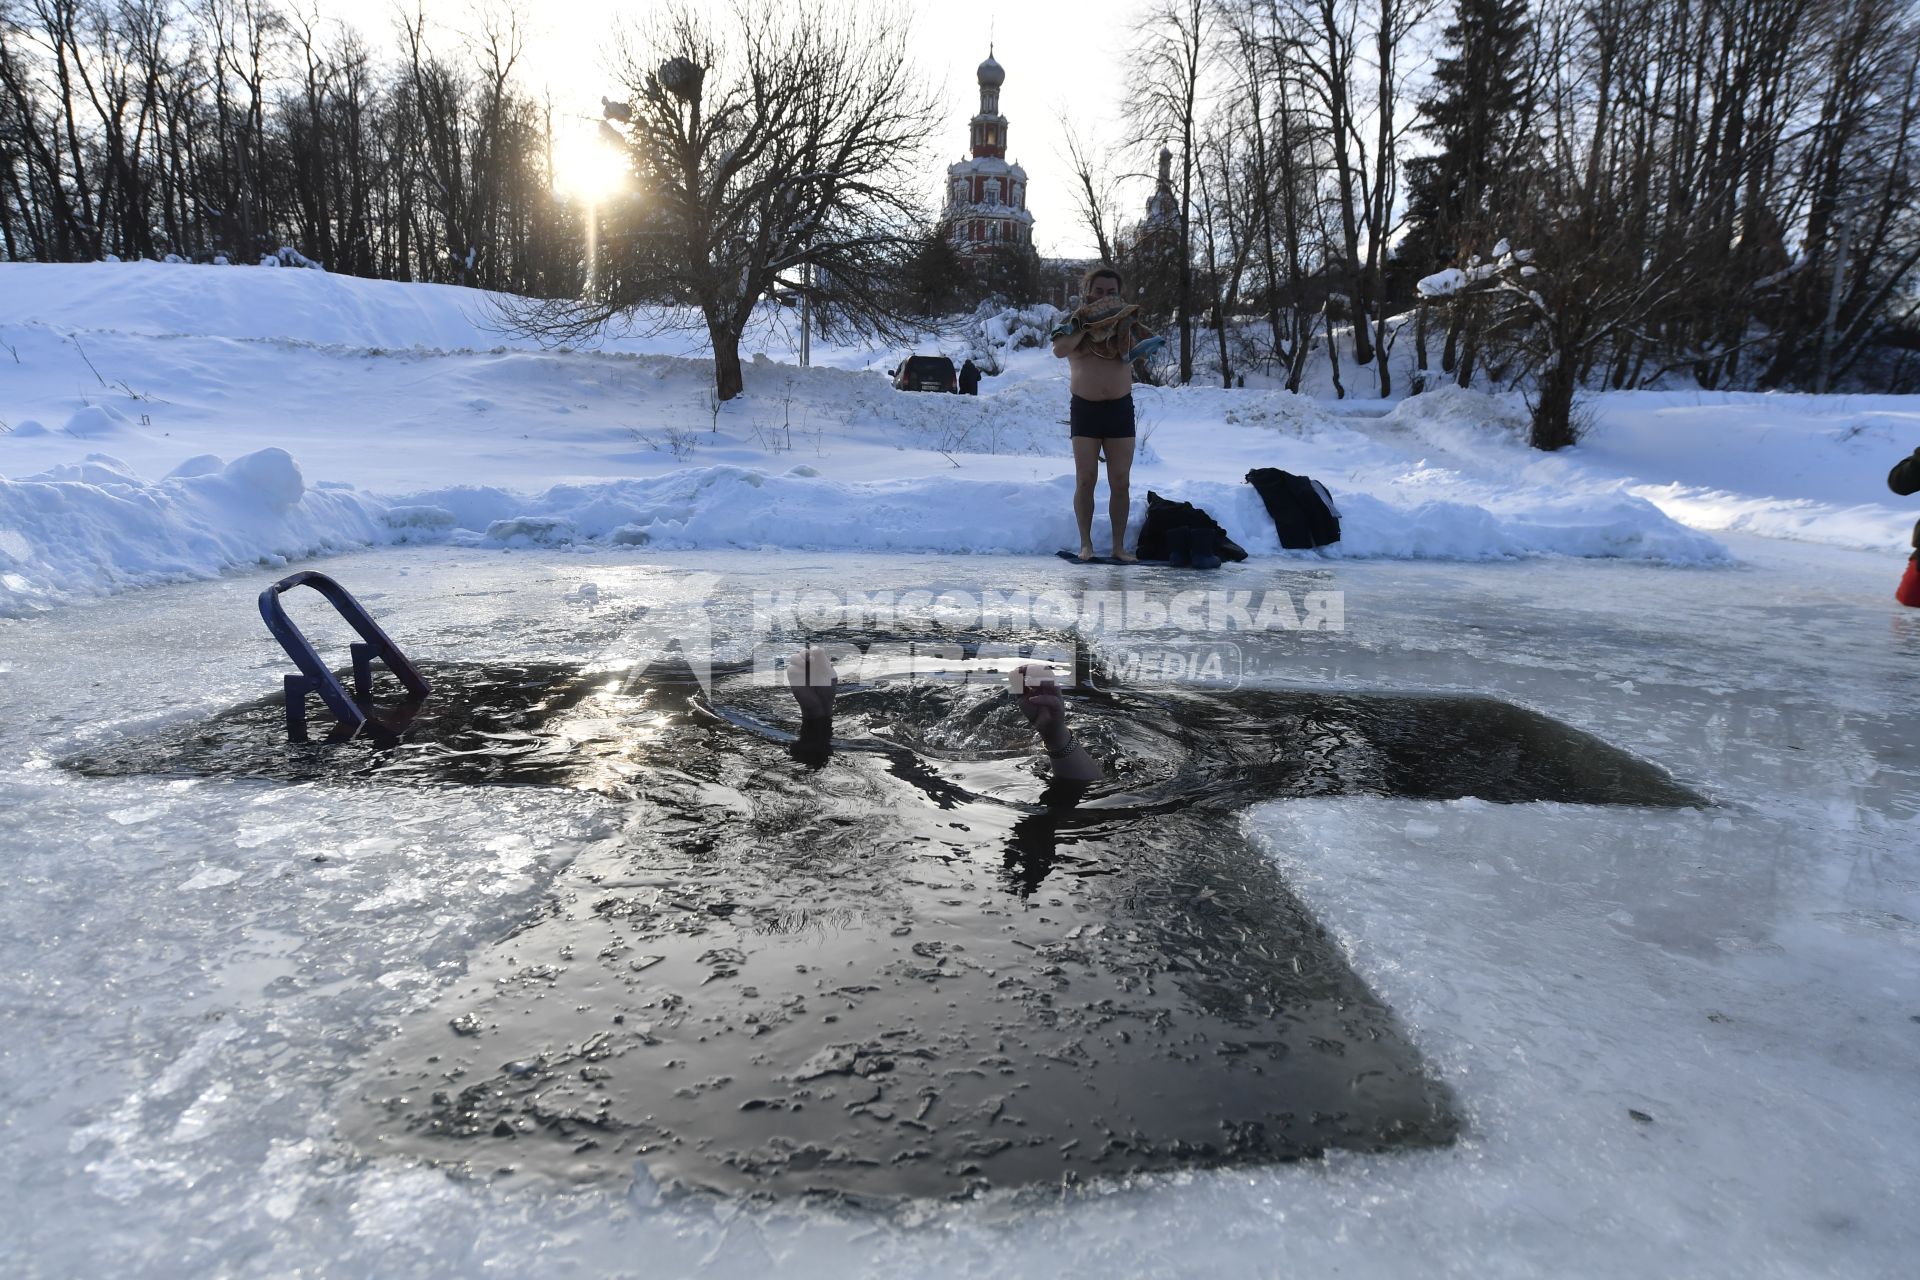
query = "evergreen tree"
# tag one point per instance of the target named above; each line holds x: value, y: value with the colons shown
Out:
x: 1476, y: 116
x: 1011, y: 274
x: 937, y: 282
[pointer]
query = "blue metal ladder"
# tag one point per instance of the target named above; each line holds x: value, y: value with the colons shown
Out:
x: 315, y: 676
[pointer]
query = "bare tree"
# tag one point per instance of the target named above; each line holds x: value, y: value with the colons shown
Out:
x: 1394, y: 22
x: 1245, y: 52
x: 1167, y: 109
x: 1319, y: 40
x: 1228, y: 232
x: 1734, y: 181
x: 780, y: 157
x: 1094, y: 185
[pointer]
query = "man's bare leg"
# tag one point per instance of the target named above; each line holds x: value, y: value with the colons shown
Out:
x: 1086, y: 472
x: 1119, y: 450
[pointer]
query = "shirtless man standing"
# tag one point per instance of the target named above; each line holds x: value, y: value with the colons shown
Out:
x: 1102, y: 416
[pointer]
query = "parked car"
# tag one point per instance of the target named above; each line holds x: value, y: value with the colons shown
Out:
x: 926, y: 373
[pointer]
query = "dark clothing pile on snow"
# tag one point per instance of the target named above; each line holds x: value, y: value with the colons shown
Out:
x: 1204, y: 534
x: 1302, y: 509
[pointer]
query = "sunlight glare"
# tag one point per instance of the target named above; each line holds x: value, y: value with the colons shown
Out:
x: 588, y: 168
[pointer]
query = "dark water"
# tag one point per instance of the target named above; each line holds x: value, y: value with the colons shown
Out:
x: 916, y: 969
x: 539, y: 724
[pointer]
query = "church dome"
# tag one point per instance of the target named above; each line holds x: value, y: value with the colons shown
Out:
x: 992, y: 75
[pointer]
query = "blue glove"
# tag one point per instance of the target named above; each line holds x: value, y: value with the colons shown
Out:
x: 1145, y: 349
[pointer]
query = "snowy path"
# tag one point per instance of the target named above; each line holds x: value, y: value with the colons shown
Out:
x: 193, y: 969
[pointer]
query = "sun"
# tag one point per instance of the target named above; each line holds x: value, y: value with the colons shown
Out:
x: 589, y: 168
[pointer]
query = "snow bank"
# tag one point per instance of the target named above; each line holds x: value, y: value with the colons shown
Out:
x: 1801, y: 467
x: 413, y: 422
x: 1605, y: 527
x: 1805, y: 468
x: 91, y: 528
x: 94, y: 527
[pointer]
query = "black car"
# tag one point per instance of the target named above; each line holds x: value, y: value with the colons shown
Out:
x: 926, y: 373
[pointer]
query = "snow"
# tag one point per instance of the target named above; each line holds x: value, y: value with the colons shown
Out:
x: 350, y: 413
x: 1800, y: 467
x: 1442, y: 284
x: 95, y: 523
x: 1785, y: 465
x: 190, y: 988
x: 1451, y: 280
x: 1682, y: 1041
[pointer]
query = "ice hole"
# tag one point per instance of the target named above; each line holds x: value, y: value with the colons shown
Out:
x: 918, y: 968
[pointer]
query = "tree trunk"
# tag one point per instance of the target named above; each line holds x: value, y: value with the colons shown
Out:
x: 1420, y: 349
x: 1220, y: 331
x: 727, y: 380
x: 1381, y: 369
x: 1302, y: 348
x: 1553, y: 412
x: 1333, y: 353
x: 1186, y: 278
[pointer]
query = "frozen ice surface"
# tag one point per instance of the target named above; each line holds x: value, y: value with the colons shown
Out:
x: 1683, y: 1041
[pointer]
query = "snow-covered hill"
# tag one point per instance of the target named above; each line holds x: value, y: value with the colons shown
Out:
x: 164, y: 422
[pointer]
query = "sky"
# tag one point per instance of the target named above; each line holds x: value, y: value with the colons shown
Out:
x: 1060, y: 59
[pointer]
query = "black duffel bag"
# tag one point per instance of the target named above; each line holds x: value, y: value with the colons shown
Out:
x: 1302, y: 509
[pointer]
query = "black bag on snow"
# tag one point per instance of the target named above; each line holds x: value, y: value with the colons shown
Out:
x: 1302, y: 509
x: 1165, y: 515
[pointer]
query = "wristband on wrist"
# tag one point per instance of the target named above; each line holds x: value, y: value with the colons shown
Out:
x: 1065, y: 751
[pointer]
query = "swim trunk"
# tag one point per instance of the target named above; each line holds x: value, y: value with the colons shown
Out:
x: 1101, y: 418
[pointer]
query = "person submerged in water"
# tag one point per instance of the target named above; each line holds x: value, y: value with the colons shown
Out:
x: 1035, y: 688
x: 1100, y: 341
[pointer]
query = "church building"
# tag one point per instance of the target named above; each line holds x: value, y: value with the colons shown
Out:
x: 986, y: 196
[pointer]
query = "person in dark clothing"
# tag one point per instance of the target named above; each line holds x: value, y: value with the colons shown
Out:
x: 969, y: 379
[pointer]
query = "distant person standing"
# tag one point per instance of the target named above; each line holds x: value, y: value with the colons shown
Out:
x: 969, y: 379
x: 1100, y: 341
x: 1904, y: 480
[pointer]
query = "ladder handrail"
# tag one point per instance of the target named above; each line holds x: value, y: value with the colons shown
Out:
x: 315, y: 676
